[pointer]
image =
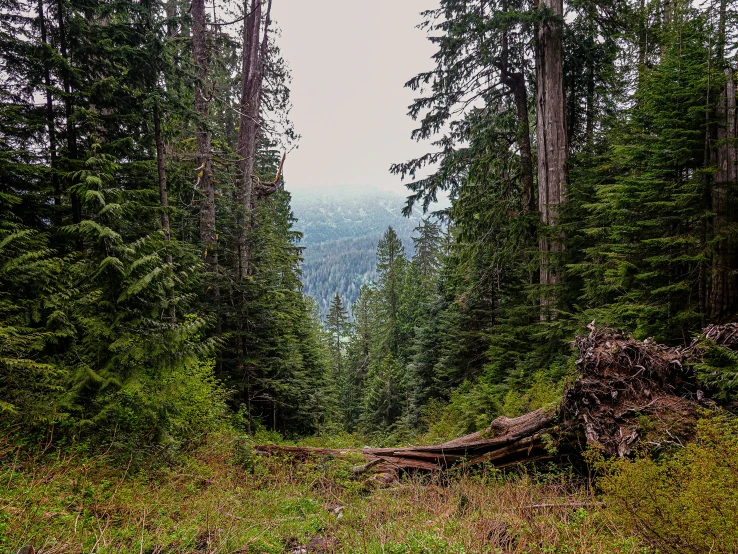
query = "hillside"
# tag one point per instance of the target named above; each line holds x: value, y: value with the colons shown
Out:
x: 341, y: 227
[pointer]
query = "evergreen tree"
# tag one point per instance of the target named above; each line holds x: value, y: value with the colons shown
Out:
x: 428, y: 245
x: 647, y: 272
x: 338, y: 328
x: 391, y: 265
x: 359, y: 356
x: 384, y: 398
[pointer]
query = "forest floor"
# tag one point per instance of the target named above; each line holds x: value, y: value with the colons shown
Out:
x: 221, y: 498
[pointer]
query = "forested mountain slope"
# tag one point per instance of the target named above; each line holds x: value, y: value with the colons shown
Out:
x: 341, y: 227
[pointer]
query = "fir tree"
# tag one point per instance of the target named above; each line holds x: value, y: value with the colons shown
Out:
x: 337, y: 327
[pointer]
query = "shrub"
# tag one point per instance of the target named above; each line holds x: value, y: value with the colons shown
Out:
x: 687, y: 503
x: 174, y: 406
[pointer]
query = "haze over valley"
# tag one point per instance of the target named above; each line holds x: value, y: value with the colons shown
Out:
x: 341, y: 227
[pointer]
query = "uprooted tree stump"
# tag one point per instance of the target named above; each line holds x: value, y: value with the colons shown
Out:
x: 628, y: 393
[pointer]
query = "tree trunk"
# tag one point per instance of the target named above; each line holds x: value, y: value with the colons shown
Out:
x: 721, y: 29
x: 68, y: 107
x: 723, y: 301
x: 170, y: 9
x: 552, y: 141
x: 520, y: 95
x: 208, y: 234
x: 50, y: 119
x: 254, y: 56
x: 515, y: 81
x: 163, y: 199
x: 162, y: 174
x: 668, y: 15
x: 591, y: 111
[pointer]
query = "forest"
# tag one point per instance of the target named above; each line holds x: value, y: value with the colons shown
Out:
x: 167, y: 386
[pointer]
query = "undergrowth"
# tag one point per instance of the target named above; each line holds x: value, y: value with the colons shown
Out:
x: 222, y: 497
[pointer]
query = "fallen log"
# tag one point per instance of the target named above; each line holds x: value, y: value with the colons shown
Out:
x: 628, y: 394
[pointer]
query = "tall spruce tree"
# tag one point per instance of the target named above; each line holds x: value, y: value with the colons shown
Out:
x: 337, y: 327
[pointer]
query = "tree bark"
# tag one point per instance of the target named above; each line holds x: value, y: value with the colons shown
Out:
x: 721, y: 29
x: 552, y: 141
x: 520, y: 96
x: 162, y: 174
x: 208, y: 234
x: 163, y: 199
x: 50, y: 119
x: 254, y: 56
x: 724, y: 289
x: 668, y: 12
x: 68, y: 106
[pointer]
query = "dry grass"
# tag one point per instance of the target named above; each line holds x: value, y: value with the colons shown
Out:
x: 68, y: 503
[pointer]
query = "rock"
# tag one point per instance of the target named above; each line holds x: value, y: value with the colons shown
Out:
x: 318, y: 545
x: 386, y: 479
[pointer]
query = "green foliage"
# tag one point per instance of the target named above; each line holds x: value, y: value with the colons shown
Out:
x: 384, y: 395
x: 111, y: 329
x: 180, y: 405
x: 686, y: 503
x: 649, y: 213
x: 718, y: 369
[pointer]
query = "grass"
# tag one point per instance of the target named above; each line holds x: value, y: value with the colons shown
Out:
x: 221, y: 499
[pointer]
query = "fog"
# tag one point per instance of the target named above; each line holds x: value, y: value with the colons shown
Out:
x: 350, y: 60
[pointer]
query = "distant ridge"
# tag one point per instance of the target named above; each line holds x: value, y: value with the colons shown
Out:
x: 342, y: 226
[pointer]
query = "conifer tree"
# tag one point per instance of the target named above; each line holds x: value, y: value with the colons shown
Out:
x: 428, y: 246
x: 391, y: 264
x: 337, y: 327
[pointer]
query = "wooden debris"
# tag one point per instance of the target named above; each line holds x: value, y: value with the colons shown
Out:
x: 629, y: 393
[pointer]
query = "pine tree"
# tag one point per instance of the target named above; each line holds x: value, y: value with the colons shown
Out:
x: 385, y: 398
x: 648, y: 268
x: 428, y: 244
x: 337, y: 327
x: 359, y: 356
x: 391, y: 264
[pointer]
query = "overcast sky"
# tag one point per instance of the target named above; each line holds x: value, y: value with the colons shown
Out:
x: 349, y: 61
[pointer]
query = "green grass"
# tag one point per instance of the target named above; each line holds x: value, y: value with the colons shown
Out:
x: 221, y: 499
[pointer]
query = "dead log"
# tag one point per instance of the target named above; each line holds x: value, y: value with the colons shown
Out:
x: 301, y: 453
x: 506, y: 439
x: 629, y: 394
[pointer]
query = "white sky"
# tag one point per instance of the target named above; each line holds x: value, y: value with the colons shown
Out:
x: 349, y: 61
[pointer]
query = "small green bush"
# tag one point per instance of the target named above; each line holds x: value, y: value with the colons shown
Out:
x: 176, y: 406
x: 687, y: 503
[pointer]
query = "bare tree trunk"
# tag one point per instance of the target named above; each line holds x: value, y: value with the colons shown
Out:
x: 591, y: 99
x: 170, y: 9
x: 162, y: 174
x: 50, y: 123
x: 254, y: 57
x: 68, y: 106
x: 668, y: 12
x: 721, y: 29
x: 515, y: 81
x: 163, y: 198
x: 552, y: 140
x: 208, y: 234
x: 723, y: 301
x: 526, y: 155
